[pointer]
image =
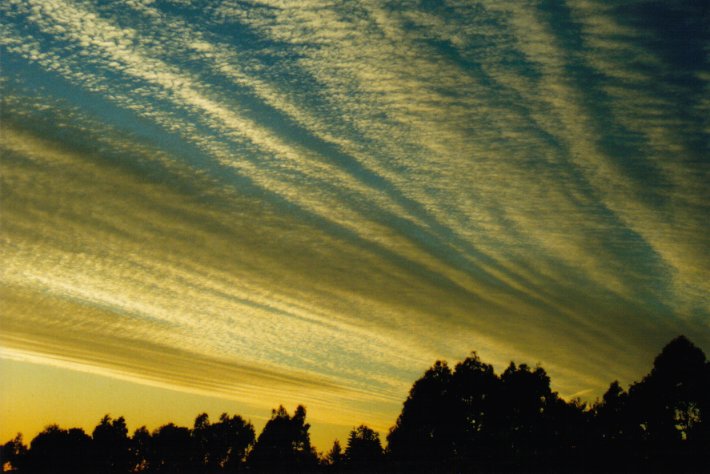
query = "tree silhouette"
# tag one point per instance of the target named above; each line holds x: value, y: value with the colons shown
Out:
x: 111, y: 446
x: 474, y: 393
x: 611, y: 414
x: 671, y: 406
x: 524, y: 404
x: 170, y: 450
x: 472, y: 419
x: 284, y: 445
x: 617, y: 435
x: 141, y: 450
x: 465, y: 420
x: 364, y: 450
x: 58, y: 450
x: 204, y: 445
x: 13, y: 454
x: 675, y: 394
x: 335, y: 457
x: 221, y: 446
x: 422, y: 437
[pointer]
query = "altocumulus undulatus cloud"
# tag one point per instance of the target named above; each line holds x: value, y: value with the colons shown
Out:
x: 310, y: 202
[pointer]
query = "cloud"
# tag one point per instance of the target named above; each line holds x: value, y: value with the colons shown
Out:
x: 318, y: 200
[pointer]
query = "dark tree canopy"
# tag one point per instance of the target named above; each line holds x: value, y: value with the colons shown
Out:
x: 472, y: 419
x: 58, y: 450
x: 672, y: 398
x: 170, y: 449
x: 14, y: 453
x: 141, y: 450
x: 111, y: 445
x: 670, y: 407
x: 284, y: 444
x: 468, y: 419
x: 335, y: 457
x: 222, y: 445
x: 421, y: 435
x: 364, y: 450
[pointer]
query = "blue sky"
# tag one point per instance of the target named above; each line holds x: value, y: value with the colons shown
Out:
x: 310, y: 202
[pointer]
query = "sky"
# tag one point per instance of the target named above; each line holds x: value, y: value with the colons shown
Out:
x: 227, y: 206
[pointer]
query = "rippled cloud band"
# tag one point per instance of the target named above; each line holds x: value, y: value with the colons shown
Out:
x: 310, y: 202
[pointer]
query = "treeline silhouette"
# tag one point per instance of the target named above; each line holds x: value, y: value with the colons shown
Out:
x: 465, y: 419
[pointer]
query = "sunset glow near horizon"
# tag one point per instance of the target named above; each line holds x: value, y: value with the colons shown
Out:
x: 227, y: 206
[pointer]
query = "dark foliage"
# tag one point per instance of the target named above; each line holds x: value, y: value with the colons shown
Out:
x: 170, y: 449
x: 471, y: 420
x: 141, y: 450
x: 221, y: 446
x: 463, y: 420
x: 14, y: 453
x: 284, y: 445
x: 111, y: 446
x: 364, y: 452
x: 662, y: 423
x: 57, y: 450
x: 335, y: 459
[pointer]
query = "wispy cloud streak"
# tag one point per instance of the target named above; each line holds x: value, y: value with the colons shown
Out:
x: 313, y: 201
